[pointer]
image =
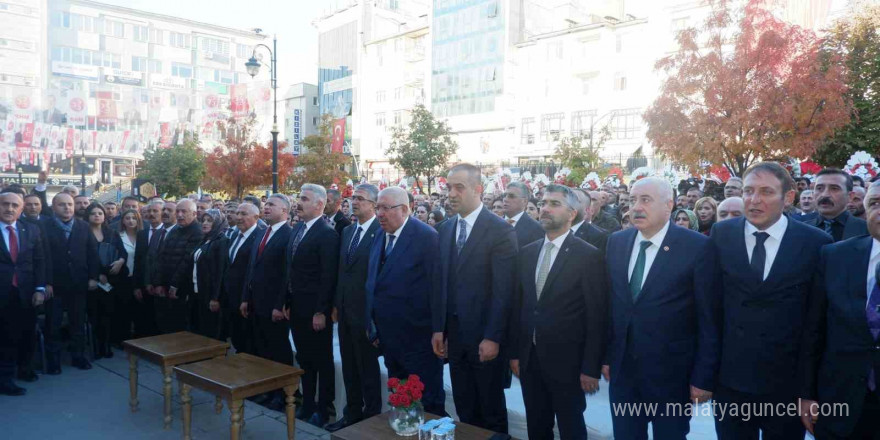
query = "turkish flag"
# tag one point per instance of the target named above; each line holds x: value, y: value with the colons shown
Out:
x: 338, y: 143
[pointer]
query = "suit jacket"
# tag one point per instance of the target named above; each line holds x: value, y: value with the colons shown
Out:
x: 594, y: 236
x: 237, y: 270
x: 854, y: 226
x: 29, y: 266
x: 606, y: 222
x: 211, y: 266
x: 313, y: 270
x: 480, y: 280
x: 173, y: 251
x: 399, y: 289
x: 570, y: 319
x: 141, y: 247
x: 763, y: 321
x: 672, y: 329
x: 527, y: 230
x: 340, y: 222
x: 266, y: 282
x: 351, y: 296
x: 838, y: 349
x: 73, y: 261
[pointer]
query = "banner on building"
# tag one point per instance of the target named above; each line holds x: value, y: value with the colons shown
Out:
x: 338, y: 144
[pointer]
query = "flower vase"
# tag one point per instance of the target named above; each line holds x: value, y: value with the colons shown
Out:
x: 405, y: 421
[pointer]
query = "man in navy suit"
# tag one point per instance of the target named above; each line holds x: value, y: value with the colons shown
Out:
x: 240, y: 251
x: 841, y: 353
x: 360, y: 359
x: 558, y: 322
x: 516, y: 200
x: 313, y: 256
x: 477, y: 258
x: 74, y: 268
x: 22, y: 285
x: 665, y: 311
x: 581, y: 226
x: 400, y: 282
x: 148, y: 241
x: 834, y: 189
x: 768, y: 264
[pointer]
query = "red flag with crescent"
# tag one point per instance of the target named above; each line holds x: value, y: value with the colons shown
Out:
x: 338, y: 135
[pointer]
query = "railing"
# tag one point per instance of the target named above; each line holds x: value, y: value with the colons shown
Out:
x: 113, y: 192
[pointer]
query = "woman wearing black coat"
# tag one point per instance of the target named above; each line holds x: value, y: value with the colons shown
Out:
x: 101, y: 303
x: 204, y: 274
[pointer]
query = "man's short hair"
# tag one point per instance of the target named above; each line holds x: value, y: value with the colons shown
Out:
x: 132, y: 198
x: 371, y: 190
x: 473, y: 173
x: 735, y: 179
x: 70, y: 189
x: 283, y: 198
x: 694, y: 188
x: 333, y: 194
x: 774, y: 169
x: 837, y: 172
x: 570, y: 198
x: 521, y: 187
x: 318, y: 190
x: 665, y: 187
x: 15, y: 189
x: 33, y: 195
x: 250, y: 208
x: 110, y: 203
x: 397, y: 194
x: 254, y: 200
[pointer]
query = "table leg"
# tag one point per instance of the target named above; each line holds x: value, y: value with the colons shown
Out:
x: 167, y: 391
x: 133, y: 381
x: 243, y: 421
x: 290, y: 410
x: 235, y: 418
x: 218, y: 404
x: 186, y: 399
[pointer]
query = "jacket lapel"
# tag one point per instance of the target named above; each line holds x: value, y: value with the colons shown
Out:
x: 475, y: 236
x: 667, y: 252
x: 788, y: 251
x: 858, y: 291
x: 4, y: 250
x: 620, y: 267
x: 558, y: 264
x: 400, y: 246
x: 363, y: 249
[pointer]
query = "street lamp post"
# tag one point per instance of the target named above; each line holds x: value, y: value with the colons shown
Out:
x: 20, y: 180
x: 253, y: 68
x: 82, y: 167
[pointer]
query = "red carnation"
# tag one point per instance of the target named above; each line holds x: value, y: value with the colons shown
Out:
x: 413, y: 378
x: 416, y: 394
x: 405, y: 400
x: 393, y: 383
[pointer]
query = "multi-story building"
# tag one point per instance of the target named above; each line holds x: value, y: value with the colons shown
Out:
x: 22, y: 42
x: 302, y: 115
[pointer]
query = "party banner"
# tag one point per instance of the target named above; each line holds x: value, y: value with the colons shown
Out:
x: 238, y: 104
x: 77, y: 108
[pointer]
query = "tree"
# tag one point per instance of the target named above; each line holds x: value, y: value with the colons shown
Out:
x: 176, y: 171
x: 581, y: 153
x: 857, y: 40
x: 741, y: 90
x: 423, y: 148
x: 240, y: 163
x: 319, y: 164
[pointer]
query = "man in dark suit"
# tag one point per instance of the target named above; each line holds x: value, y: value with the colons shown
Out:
x: 599, y: 217
x: 145, y: 254
x: 834, y: 188
x: 581, y: 226
x: 33, y: 215
x: 337, y: 220
x: 665, y: 311
x: 313, y: 268
x: 74, y: 269
x: 477, y: 258
x: 558, y: 358
x: 240, y: 251
x: 22, y: 288
x: 360, y: 362
x: 767, y: 264
x: 516, y: 200
x: 400, y: 282
x: 264, y: 296
x: 171, y: 305
x: 841, y: 361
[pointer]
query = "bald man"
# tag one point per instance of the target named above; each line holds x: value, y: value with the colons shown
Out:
x: 731, y: 207
x: 171, y: 309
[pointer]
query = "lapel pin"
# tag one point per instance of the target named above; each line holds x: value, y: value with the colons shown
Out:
x: 665, y: 248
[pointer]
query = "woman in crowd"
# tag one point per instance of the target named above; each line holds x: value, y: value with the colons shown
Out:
x: 498, y: 206
x: 434, y: 217
x: 129, y: 226
x: 422, y: 210
x: 346, y: 207
x: 101, y: 301
x: 532, y: 209
x: 625, y: 222
x: 206, y: 268
x: 707, y: 210
x: 686, y: 219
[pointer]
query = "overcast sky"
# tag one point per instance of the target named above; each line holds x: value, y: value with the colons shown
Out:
x: 291, y: 20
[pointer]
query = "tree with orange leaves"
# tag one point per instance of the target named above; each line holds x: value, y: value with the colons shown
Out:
x: 240, y: 163
x: 744, y: 89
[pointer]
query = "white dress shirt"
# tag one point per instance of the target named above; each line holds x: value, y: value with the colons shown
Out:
x: 577, y: 227
x: 6, y: 234
x: 241, y: 239
x: 308, y: 226
x: 771, y: 245
x: 557, y: 245
x: 872, y: 265
x: 396, y: 235
x: 515, y: 218
x: 650, y: 253
x: 196, y: 255
x: 364, y: 227
x: 274, y: 228
x: 130, y: 249
x: 469, y: 220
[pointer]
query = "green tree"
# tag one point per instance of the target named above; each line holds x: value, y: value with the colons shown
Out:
x: 581, y: 153
x: 318, y: 164
x: 175, y: 171
x: 857, y: 39
x: 423, y: 148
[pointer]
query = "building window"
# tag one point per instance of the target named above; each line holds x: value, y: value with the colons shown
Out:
x: 398, y: 93
x: 114, y: 28
x: 551, y: 126
x: 181, y: 70
x: 314, y: 100
x: 380, y: 119
x: 527, y: 132
x: 625, y: 123
x: 243, y: 51
x: 398, y: 118
x: 156, y: 36
x: 139, y: 64
x: 581, y: 122
x: 179, y: 40
x: 619, y: 82
x: 618, y: 43
x: 140, y: 33
x: 315, y: 120
x: 155, y: 66
x: 76, y: 22
x: 380, y: 96
x: 216, y: 46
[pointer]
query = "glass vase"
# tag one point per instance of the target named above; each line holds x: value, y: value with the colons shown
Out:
x: 406, y: 421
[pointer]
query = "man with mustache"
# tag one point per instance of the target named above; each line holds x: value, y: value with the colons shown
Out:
x: 834, y: 189
x: 807, y: 206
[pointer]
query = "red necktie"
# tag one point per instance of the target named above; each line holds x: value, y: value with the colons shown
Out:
x: 13, y: 252
x: 263, y: 243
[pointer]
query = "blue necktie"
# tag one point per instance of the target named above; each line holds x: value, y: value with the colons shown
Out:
x: 873, y: 314
x: 462, y: 235
x: 298, y: 238
x: 827, y: 226
x: 234, y: 246
x: 389, y: 246
x: 354, y: 245
x: 759, y: 255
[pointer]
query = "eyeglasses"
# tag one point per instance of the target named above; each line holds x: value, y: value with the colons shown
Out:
x: 362, y: 199
x: 382, y: 208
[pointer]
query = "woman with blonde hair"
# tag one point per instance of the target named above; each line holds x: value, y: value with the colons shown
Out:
x: 707, y: 212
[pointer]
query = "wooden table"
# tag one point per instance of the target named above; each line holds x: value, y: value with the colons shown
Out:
x: 236, y: 378
x: 168, y: 351
x: 377, y: 428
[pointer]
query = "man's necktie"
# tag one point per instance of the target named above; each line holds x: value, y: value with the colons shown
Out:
x: 544, y: 270
x: 462, y: 234
x: 264, y: 241
x: 389, y: 246
x: 354, y: 245
x: 234, y: 247
x: 298, y: 238
x: 759, y: 255
x: 511, y: 221
x: 13, y: 252
x: 635, y: 281
x: 827, y: 225
x: 873, y: 314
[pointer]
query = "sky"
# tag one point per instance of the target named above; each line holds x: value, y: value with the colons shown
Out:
x: 291, y: 20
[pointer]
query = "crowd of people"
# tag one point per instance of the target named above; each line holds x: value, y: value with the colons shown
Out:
x: 768, y: 296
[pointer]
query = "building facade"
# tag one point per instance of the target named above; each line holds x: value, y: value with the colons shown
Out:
x: 302, y: 115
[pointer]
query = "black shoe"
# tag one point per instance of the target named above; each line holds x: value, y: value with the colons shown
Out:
x: 27, y: 376
x: 317, y: 419
x: 303, y: 414
x: 340, y: 424
x: 81, y: 363
x: 11, y: 389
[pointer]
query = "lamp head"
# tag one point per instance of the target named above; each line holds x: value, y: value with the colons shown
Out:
x: 252, y: 66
